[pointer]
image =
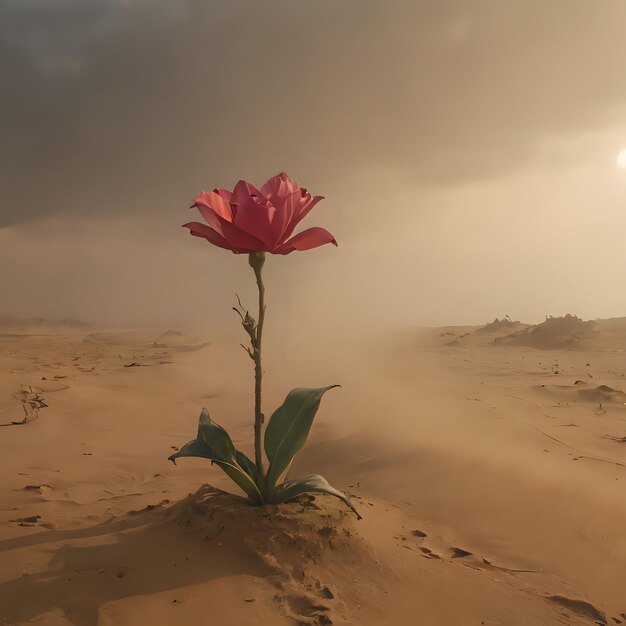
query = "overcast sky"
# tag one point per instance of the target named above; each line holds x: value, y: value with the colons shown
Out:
x: 466, y: 149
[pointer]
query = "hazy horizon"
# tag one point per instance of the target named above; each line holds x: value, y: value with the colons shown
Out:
x: 467, y: 152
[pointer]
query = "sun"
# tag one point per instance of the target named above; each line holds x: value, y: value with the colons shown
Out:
x: 621, y: 159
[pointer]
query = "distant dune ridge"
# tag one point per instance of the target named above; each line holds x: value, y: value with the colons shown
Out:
x: 555, y: 333
x: 33, y: 325
x: 181, y: 342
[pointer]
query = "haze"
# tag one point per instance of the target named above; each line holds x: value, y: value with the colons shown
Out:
x: 472, y: 154
x: 467, y: 152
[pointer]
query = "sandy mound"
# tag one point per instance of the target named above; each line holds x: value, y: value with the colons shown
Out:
x: 296, y: 563
x: 582, y: 392
x: 504, y: 325
x: 295, y: 546
x: 179, y: 342
x: 466, y: 336
x: 603, y: 393
x: 568, y: 331
x: 171, y: 337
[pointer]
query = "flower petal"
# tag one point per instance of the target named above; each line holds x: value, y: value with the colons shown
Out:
x: 306, y: 240
x: 286, y: 208
x: 217, y: 201
x: 240, y: 239
x: 253, y: 213
x: 292, y: 204
x: 210, y: 206
x: 237, y: 240
x: 278, y: 186
x: 305, y: 206
x: 197, y: 229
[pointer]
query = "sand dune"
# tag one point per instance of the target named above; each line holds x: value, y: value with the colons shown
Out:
x: 490, y: 480
x: 501, y: 326
x: 555, y: 333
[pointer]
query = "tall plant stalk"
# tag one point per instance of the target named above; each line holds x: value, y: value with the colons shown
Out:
x: 257, y: 260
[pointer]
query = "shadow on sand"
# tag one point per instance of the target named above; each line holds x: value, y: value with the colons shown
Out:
x: 145, y: 552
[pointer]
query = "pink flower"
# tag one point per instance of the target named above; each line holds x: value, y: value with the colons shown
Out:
x: 248, y: 220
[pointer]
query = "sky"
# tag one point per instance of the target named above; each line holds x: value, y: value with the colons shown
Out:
x: 466, y: 150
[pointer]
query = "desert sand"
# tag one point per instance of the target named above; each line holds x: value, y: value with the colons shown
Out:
x: 488, y: 463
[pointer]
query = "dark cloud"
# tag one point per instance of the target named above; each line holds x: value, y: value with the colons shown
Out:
x: 113, y: 106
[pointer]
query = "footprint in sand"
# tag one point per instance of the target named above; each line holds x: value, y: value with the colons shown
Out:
x: 429, y: 554
x: 302, y: 605
x: 580, y: 607
x: 476, y: 561
x: 30, y: 520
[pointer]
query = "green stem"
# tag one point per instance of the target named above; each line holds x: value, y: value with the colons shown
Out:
x: 256, y: 262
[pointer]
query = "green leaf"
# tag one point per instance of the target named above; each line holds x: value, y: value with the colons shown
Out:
x: 214, y: 443
x: 288, y: 429
x: 246, y: 464
x: 313, y: 483
x: 215, y: 437
x: 243, y: 480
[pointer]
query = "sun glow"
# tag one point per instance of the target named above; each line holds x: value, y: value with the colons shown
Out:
x: 621, y: 159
